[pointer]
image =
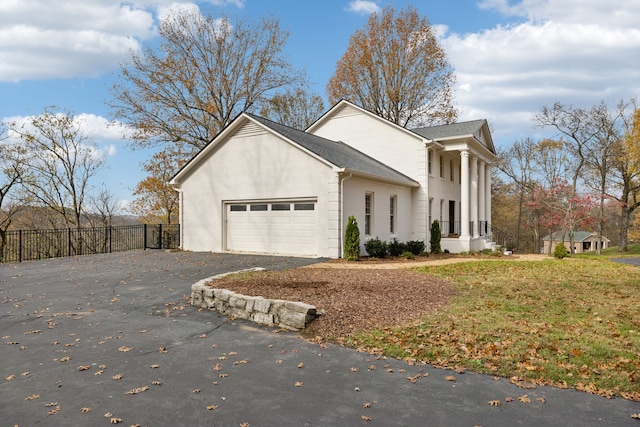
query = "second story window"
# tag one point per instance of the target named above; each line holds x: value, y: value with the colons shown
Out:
x: 368, y: 210
x: 441, y: 166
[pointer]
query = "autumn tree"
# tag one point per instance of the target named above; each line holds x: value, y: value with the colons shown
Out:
x: 627, y: 170
x: 396, y: 68
x: 156, y: 201
x: 60, y: 160
x: 203, y: 74
x: 295, y: 108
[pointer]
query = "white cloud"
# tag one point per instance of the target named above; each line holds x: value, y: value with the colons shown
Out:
x: 507, y: 73
x: 363, y: 7
x: 44, y: 39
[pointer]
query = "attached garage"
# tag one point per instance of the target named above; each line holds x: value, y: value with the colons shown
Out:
x: 276, y: 227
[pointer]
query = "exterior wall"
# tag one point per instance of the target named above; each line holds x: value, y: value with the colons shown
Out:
x: 394, y: 147
x: 255, y: 164
x: 354, y: 204
x: 578, y: 246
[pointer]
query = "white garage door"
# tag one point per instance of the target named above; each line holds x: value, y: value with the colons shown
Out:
x: 272, y: 227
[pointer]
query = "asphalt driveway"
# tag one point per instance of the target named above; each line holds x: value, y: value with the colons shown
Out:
x: 108, y: 339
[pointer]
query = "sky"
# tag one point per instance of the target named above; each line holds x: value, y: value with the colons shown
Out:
x: 511, y: 57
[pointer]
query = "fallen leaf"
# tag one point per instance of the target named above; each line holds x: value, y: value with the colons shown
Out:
x: 10, y: 377
x: 212, y: 407
x: 124, y: 349
x: 54, y: 411
x: 300, y: 365
x: 84, y: 367
x: 223, y: 375
x: 156, y: 382
x: 366, y: 417
x: 241, y: 362
x: 99, y: 373
x: 509, y: 399
x: 65, y: 359
x: 636, y: 416
x: 541, y: 400
x: 85, y: 409
x: 33, y: 396
x: 115, y: 420
x: 154, y: 366
x: 366, y: 405
x: 108, y: 415
x: 298, y: 384
x: 354, y: 369
x: 196, y: 390
x: 137, y: 390
x: 117, y: 377
x: 450, y: 378
x: 244, y: 425
x: 494, y: 403
x: 162, y: 350
x: 524, y: 399
x: 50, y: 404
x: 278, y: 362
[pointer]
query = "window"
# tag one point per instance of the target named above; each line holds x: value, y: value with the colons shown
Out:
x: 430, y: 161
x: 304, y: 207
x: 258, y: 207
x: 441, y: 166
x: 281, y: 207
x: 430, y: 208
x: 392, y: 214
x: 368, y: 209
x: 451, y: 170
x: 238, y: 208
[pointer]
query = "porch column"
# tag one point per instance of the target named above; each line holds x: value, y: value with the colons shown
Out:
x: 474, y: 195
x: 487, y: 189
x: 482, y: 193
x: 464, y: 194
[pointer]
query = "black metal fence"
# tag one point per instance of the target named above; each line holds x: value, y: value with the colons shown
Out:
x: 27, y: 245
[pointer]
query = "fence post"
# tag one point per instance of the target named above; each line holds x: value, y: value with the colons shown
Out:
x: 144, y: 243
x: 19, y: 245
x: 110, y: 237
x: 68, y: 241
x: 159, y: 236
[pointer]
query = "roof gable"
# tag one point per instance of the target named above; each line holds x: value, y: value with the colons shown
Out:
x: 478, y: 129
x: 334, y: 153
x: 337, y: 153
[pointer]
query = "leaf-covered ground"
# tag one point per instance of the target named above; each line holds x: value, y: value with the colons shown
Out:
x: 572, y: 323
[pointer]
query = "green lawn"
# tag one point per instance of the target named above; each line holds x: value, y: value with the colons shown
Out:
x: 568, y: 323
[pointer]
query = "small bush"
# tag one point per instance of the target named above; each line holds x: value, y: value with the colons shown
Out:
x: 416, y: 247
x: 436, y: 236
x: 376, y: 248
x: 407, y: 255
x: 560, y: 251
x: 352, y: 240
x: 396, y: 248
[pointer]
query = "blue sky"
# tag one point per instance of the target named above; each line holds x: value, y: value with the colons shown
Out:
x: 511, y: 57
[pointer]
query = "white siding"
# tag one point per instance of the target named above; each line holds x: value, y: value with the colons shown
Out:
x: 254, y: 165
x: 354, y: 202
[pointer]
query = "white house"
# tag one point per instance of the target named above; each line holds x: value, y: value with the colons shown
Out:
x: 266, y: 188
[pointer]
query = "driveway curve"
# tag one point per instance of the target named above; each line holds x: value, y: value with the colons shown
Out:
x: 105, y: 339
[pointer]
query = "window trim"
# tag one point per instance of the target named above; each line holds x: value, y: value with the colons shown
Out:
x: 368, y: 213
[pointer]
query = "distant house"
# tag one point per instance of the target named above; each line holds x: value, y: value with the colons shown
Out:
x: 584, y: 241
x: 263, y: 187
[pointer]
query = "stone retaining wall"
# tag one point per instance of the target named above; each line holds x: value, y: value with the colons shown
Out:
x: 285, y: 314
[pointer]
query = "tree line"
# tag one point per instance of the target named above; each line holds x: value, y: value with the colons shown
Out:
x: 586, y: 177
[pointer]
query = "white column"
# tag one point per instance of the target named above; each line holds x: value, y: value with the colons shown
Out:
x: 474, y: 195
x: 482, y: 193
x: 487, y: 197
x: 464, y: 194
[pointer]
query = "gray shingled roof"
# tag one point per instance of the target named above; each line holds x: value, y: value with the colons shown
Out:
x: 336, y: 152
x: 448, y: 131
x: 578, y: 236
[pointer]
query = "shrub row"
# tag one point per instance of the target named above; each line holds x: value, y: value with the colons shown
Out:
x: 377, y: 248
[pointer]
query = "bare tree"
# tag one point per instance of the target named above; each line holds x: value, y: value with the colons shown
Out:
x: 395, y: 68
x: 204, y: 73
x: 295, y: 108
x: 61, y: 161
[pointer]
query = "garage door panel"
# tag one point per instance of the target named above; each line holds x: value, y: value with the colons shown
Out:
x: 275, y: 227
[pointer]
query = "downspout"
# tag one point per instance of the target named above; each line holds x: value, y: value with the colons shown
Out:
x: 341, y: 212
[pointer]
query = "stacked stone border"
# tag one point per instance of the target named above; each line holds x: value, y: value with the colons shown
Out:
x: 272, y: 312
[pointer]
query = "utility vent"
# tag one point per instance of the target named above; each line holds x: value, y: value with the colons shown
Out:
x: 250, y: 129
